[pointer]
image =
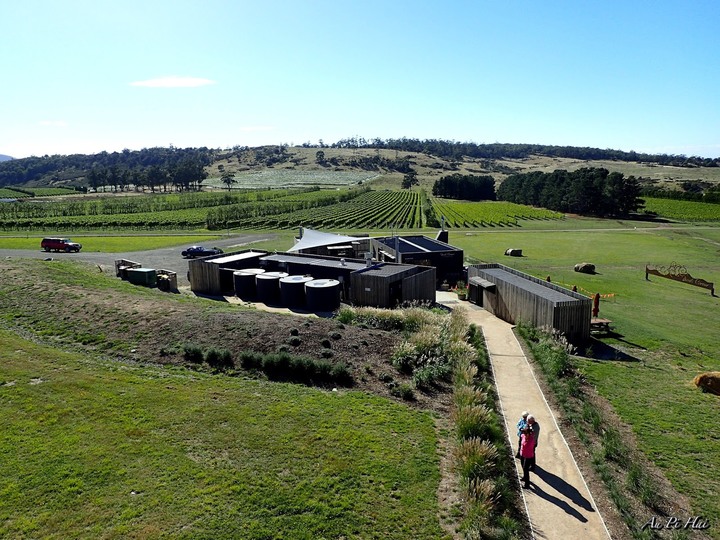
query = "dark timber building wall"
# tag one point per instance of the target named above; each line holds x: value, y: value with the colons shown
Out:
x: 518, y: 297
x: 387, y: 285
x: 423, y: 251
x: 206, y: 274
x: 380, y: 284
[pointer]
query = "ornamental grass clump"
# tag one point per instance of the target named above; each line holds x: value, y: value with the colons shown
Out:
x: 468, y: 396
x: 475, y: 459
x: 473, y: 421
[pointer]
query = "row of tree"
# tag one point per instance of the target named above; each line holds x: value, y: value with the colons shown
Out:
x: 74, y: 168
x: 587, y: 191
x: 183, y: 176
x: 465, y: 186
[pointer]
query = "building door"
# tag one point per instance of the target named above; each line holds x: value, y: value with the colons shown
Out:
x: 395, y: 293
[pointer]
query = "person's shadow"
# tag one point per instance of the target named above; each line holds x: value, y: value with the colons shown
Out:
x: 558, y: 502
x: 562, y: 487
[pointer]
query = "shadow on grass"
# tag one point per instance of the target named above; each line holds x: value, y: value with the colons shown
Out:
x: 598, y: 350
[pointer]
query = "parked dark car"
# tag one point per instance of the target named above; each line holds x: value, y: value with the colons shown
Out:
x: 60, y: 244
x: 199, y: 251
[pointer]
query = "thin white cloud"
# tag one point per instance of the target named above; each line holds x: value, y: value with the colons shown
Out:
x: 53, y: 123
x: 174, y: 82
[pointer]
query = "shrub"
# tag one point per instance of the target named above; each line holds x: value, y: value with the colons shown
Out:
x: 251, y: 360
x: 592, y: 416
x: 429, y: 375
x: 282, y: 366
x: 345, y: 315
x: 404, y: 391
x: 193, y: 353
x: 403, y: 358
x: 340, y: 373
x: 218, y: 358
x: 386, y: 378
x: 295, y: 341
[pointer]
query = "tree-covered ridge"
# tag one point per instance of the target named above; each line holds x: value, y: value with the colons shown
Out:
x: 465, y: 186
x: 588, y: 191
x: 171, y: 165
x: 458, y: 150
x: 115, y: 169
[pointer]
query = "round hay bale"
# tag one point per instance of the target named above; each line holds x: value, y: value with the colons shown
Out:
x: 585, y: 268
x: 708, y: 382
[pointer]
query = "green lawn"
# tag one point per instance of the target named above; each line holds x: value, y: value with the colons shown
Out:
x: 99, y: 449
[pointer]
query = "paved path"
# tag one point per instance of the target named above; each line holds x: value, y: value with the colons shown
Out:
x: 558, y: 503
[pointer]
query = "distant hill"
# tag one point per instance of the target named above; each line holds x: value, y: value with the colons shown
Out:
x: 3, y: 157
x: 385, y: 162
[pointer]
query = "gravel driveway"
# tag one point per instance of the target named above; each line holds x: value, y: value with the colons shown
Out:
x: 162, y: 258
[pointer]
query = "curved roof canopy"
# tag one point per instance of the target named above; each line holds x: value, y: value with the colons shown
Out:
x: 312, y: 239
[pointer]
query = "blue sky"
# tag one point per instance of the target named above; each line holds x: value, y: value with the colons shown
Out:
x: 83, y: 76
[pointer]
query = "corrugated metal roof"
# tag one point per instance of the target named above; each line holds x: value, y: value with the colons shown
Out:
x: 237, y: 257
x: 535, y: 288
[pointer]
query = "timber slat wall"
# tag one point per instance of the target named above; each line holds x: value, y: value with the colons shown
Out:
x: 204, y: 277
x: 516, y: 300
x: 204, y: 274
x: 368, y: 289
x: 420, y: 287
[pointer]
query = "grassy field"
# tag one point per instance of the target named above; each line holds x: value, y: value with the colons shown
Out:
x: 291, y: 178
x: 101, y: 449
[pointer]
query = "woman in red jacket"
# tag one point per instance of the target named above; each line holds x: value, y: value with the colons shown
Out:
x: 527, y: 454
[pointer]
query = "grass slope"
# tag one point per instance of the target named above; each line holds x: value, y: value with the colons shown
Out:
x: 103, y: 449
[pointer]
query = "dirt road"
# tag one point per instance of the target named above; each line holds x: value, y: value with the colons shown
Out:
x: 166, y: 258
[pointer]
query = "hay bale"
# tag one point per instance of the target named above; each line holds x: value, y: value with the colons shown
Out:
x: 708, y: 382
x: 585, y: 268
x: 513, y: 252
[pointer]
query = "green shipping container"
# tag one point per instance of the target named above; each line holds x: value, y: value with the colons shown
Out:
x: 142, y: 276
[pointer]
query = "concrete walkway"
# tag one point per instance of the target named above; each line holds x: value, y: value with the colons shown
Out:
x: 558, y: 503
